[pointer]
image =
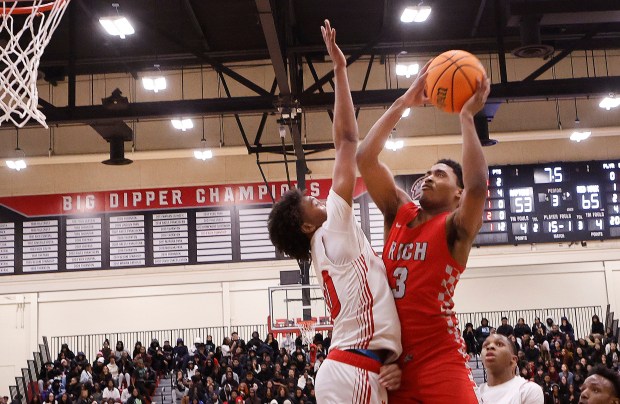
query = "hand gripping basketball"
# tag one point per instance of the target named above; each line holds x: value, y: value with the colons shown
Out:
x: 452, y: 79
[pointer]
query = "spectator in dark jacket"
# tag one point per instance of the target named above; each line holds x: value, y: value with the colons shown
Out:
x: 255, y: 342
x: 64, y: 349
x: 567, y: 328
x: 521, y: 328
x: 180, y: 353
x: 469, y: 335
x: 597, y: 326
x: 505, y: 329
x: 483, y: 331
x: 537, y: 324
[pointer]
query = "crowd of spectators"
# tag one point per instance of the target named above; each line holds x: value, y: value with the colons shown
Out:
x: 551, y: 355
x: 235, y: 371
x: 267, y: 372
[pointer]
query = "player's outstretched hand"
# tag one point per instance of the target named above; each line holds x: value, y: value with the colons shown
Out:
x: 477, y: 101
x: 329, y: 37
x: 389, y: 376
x: 414, y: 96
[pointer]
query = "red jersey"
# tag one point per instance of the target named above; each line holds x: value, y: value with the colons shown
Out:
x: 423, y: 274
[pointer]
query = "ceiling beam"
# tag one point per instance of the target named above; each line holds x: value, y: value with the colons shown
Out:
x: 512, y: 91
x: 524, y: 7
x: 557, y: 58
x: 202, y: 57
x: 193, y: 19
x: 273, y: 45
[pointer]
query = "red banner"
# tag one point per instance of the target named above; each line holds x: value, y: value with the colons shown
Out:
x: 162, y: 198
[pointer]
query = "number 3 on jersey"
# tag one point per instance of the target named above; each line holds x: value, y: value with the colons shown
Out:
x: 400, y: 274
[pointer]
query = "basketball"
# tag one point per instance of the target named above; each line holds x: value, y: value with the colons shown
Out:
x: 452, y: 79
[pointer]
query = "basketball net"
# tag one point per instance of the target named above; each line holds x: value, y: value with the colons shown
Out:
x: 29, y: 30
x: 307, y: 328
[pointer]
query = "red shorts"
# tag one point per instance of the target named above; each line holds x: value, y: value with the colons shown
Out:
x: 442, y: 380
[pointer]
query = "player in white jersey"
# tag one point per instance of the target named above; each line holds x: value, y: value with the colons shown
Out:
x: 503, y: 386
x: 366, y: 333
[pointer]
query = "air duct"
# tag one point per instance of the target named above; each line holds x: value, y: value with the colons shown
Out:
x: 531, y: 44
x: 482, y: 128
x: 117, y: 152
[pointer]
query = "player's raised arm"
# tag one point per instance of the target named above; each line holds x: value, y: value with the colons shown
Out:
x: 377, y: 176
x: 344, y: 129
x: 468, y: 216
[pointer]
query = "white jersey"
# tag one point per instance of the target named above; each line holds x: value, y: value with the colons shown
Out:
x: 354, y: 283
x: 515, y: 391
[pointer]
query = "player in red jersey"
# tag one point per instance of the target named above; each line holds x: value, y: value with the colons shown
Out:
x: 426, y: 250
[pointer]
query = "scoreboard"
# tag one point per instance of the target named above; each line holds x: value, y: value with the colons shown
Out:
x: 554, y: 202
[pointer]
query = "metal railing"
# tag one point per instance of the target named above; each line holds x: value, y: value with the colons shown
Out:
x: 579, y: 317
x: 90, y: 344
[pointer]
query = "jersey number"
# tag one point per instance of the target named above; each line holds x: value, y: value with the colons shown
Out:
x: 400, y: 274
x: 331, y: 297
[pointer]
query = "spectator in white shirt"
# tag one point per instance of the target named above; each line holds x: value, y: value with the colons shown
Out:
x: 112, y: 392
x: 113, y: 368
x: 289, y: 343
x: 126, y: 394
x: 87, y: 375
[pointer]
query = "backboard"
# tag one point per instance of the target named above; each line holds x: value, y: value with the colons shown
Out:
x: 286, y: 308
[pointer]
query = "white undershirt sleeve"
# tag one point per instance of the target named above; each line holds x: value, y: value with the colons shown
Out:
x: 341, y: 233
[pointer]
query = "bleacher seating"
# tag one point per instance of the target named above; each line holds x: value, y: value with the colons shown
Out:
x: 254, y: 372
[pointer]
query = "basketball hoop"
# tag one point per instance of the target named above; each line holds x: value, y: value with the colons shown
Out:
x: 19, y: 58
x: 307, y: 328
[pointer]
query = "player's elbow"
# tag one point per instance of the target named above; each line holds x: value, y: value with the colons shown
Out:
x: 364, y: 158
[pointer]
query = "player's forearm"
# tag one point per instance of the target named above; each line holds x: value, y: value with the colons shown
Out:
x: 374, y: 142
x: 475, y: 169
x: 345, y: 125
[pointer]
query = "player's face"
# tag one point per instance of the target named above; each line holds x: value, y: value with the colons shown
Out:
x: 313, y: 211
x: 596, y: 389
x: 440, y: 187
x: 497, y: 353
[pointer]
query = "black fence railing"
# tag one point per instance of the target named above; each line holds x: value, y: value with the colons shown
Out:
x: 579, y: 317
x: 92, y: 343
x: 26, y: 385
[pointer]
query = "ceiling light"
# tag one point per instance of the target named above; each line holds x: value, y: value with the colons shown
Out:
x: 18, y: 161
x: 203, y: 154
x: 16, y: 164
x: 154, y: 84
x: 117, y: 26
x: 579, y: 136
x: 415, y: 14
x: 182, y: 124
x: 609, y: 102
x: 406, y: 113
x: 407, y: 69
x: 394, y: 145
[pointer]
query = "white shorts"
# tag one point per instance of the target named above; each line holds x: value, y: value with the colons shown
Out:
x: 346, y: 377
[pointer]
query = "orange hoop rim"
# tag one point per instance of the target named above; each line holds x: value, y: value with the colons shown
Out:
x: 306, y: 322
x: 29, y: 10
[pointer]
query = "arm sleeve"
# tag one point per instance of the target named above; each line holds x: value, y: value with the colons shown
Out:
x: 343, y: 238
x: 340, y: 217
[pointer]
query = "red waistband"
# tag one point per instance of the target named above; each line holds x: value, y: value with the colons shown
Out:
x: 353, y: 359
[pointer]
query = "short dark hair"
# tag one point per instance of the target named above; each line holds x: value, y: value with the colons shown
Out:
x: 284, y: 225
x: 613, y: 377
x: 505, y: 318
x: 456, y: 167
